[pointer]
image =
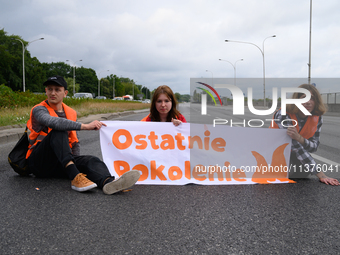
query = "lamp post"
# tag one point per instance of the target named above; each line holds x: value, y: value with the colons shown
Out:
x: 310, y: 42
x: 234, y: 66
x: 262, y: 52
x: 74, y: 74
x: 212, y: 77
x: 23, y: 59
x: 99, y: 80
x: 113, y: 88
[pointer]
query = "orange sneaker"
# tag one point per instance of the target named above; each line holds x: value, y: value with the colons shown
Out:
x: 81, y: 183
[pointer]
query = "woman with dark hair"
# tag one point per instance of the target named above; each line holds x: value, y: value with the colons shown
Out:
x: 305, y: 133
x: 164, y: 107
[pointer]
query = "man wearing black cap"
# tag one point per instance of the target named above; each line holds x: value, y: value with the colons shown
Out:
x: 54, y: 145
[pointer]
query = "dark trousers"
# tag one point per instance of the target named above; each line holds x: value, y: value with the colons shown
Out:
x: 53, y: 153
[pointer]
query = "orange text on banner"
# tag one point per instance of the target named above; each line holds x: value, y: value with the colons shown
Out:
x: 176, y: 173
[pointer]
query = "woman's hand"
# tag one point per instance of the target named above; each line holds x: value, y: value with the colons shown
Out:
x: 330, y: 181
x: 327, y: 180
x: 293, y: 133
x: 176, y: 121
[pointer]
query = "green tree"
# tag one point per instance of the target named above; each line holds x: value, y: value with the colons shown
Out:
x: 146, y: 92
x: 69, y: 82
x: 185, y: 98
x: 35, y: 75
x: 105, y: 89
x: 128, y: 88
x: 115, y: 84
x: 119, y: 88
x: 87, y: 79
x: 11, y: 61
x: 58, y: 68
x: 178, y: 96
x: 131, y: 89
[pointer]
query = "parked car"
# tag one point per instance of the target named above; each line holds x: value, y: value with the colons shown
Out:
x: 83, y: 95
x: 100, y: 97
x: 118, y: 98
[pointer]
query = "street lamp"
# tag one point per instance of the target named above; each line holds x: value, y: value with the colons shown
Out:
x: 262, y: 52
x: 99, y: 80
x: 113, y: 87
x: 74, y: 79
x: 234, y: 66
x: 23, y: 59
x: 212, y: 77
x: 310, y: 42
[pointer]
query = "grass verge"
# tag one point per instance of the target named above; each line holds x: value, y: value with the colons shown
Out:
x: 20, y: 115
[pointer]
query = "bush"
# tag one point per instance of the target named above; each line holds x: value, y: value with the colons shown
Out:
x: 16, y: 106
x: 10, y: 99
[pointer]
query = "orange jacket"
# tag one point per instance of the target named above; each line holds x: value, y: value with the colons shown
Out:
x: 35, y: 137
x: 308, y: 129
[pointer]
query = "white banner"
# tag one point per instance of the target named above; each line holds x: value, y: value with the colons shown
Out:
x: 196, y: 153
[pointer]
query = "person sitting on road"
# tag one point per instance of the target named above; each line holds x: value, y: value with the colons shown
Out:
x: 54, y: 149
x: 164, y: 107
x: 305, y: 133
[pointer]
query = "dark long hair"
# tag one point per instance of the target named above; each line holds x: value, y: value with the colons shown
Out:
x: 173, y: 113
x: 319, y: 106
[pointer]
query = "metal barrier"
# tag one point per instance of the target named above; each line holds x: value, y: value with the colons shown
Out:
x: 331, y: 98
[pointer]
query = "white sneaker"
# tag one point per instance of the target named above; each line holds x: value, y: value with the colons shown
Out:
x: 125, y: 181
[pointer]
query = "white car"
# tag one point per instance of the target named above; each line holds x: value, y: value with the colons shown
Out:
x: 83, y: 95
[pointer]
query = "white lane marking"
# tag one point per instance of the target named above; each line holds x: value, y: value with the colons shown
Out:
x: 327, y: 161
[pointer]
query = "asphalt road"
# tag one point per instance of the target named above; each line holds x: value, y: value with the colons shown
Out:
x: 44, y: 216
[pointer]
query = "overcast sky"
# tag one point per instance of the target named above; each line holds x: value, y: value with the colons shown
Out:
x: 157, y: 42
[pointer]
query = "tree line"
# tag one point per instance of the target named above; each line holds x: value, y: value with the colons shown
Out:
x: 11, y: 73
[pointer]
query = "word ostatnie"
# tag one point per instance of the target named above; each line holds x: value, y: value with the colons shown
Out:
x: 122, y: 139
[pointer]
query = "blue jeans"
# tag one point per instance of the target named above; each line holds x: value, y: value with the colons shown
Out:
x: 53, y: 153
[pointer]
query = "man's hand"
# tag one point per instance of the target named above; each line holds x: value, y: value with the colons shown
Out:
x: 94, y: 125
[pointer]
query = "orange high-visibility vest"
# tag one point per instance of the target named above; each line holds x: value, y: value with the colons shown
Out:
x: 35, y: 137
x: 308, y: 129
x: 145, y: 118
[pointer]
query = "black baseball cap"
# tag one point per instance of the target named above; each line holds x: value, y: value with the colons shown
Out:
x: 56, y: 80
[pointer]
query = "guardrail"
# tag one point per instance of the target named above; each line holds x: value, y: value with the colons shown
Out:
x: 331, y: 98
